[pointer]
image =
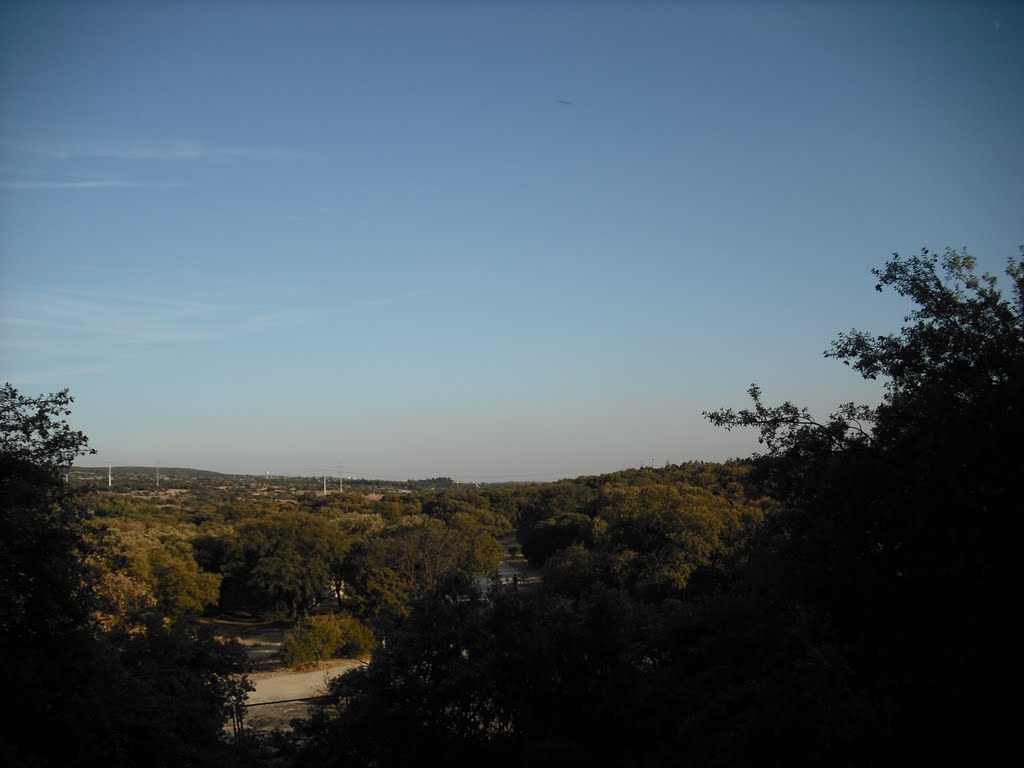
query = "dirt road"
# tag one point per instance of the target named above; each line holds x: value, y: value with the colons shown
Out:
x: 285, y: 695
x: 281, y: 694
x: 287, y: 684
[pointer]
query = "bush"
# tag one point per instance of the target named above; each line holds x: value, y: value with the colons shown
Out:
x: 327, y: 637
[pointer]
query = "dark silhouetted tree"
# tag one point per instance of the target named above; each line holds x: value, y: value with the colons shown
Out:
x: 155, y: 696
x: 898, y: 524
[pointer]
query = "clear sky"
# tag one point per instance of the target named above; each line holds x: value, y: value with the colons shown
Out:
x: 490, y: 241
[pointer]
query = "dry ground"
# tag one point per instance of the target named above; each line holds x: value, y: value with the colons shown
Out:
x: 281, y: 694
x: 284, y: 695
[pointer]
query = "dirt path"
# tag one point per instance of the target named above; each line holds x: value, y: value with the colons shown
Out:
x: 286, y: 695
x: 281, y: 694
x: 287, y: 684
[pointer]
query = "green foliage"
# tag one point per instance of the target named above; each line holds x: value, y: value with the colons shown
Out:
x: 573, y: 570
x: 171, y: 695
x: 602, y: 680
x: 478, y: 551
x: 146, y: 694
x: 105, y: 505
x: 659, y: 535
x: 283, y: 563
x: 648, y: 531
x: 318, y: 638
x: 469, y: 504
x: 33, y: 430
x: 896, y: 523
x: 43, y: 571
x: 157, y: 554
x: 180, y: 588
x: 555, y: 499
x: 862, y: 615
x: 376, y: 591
x: 412, y: 558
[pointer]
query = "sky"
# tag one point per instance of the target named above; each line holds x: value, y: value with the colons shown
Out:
x: 488, y: 241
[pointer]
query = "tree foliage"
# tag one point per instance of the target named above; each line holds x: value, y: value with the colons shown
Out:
x: 658, y: 536
x: 283, y: 563
x: 88, y: 692
x: 33, y: 430
x: 899, y: 537
x: 318, y: 638
x: 43, y: 572
x: 412, y: 557
x: 862, y: 615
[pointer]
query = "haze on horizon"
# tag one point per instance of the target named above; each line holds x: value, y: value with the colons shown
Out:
x: 487, y: 241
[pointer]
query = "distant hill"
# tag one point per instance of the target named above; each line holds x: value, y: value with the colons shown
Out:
x: 142, y: 474
x: 204, y: 474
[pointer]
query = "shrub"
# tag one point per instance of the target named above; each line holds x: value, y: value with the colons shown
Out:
x: 327, y: 637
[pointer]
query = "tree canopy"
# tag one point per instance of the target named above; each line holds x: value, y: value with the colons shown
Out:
x: 897, y: 525
x: 861, y: 614
x: 86, y: 691
x: 844, y: 597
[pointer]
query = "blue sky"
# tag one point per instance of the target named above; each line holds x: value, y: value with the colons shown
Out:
x: 372, y: 239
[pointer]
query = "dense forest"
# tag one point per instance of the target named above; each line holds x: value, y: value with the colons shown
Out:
x: 844, y: 597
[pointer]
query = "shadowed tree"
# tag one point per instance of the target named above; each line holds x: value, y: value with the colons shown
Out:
x: 146, y: 695
x: 898, y: 523
x: 283, y: 563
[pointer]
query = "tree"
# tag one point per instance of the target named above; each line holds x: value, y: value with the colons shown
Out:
x: 33, y: 430
x: 180, y: 588
x: 283, y: 562
x: 657, y: 536
x: 156, y: 556
x: 386, y: 571
x: 154, y: 696
x: 325, y: 637
x: 479, y: 553
x: 42, y: 548
x: 898, y: 523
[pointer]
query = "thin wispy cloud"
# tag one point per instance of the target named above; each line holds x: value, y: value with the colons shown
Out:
x: 174, y: 304
x: 144, y: 320
x: 83, y: 184
x: 30, y: 378
x: 170, y: 150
